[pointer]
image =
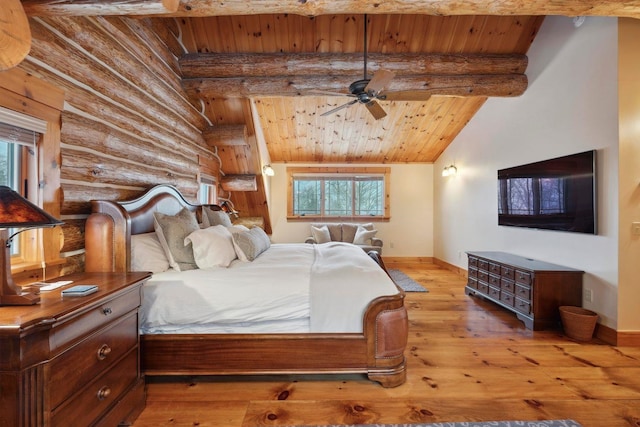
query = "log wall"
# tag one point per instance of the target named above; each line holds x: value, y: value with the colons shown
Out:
x: 126, y: 125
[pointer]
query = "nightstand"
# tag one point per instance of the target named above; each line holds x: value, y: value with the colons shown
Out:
x: 74, y: 360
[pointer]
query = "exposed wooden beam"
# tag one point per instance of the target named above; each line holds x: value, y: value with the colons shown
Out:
x: 239, y: 183
x: 101, y: 7
x: 300, y: 64
x: 226, y: 136
x: 427, y: 7
x: 476, y: 85
x: 15, y: 35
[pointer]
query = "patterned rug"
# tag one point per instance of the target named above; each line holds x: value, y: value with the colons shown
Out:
x: 406, y: 282
x: 537, y: 423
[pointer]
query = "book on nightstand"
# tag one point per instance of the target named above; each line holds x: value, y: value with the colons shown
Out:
x: 79, y: 290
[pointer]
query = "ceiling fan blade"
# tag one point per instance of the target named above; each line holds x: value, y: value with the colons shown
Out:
x: 379, y: 81
x: 405, y: 95
x: 329, y: 93
x: 339, y: 108
x: 375, y: 109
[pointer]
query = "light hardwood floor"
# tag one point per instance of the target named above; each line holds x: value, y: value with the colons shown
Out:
x: 468, y: 360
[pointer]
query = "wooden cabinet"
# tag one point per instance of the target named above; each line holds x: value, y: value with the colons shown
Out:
x: 74, y: 361
x: 532, y: 289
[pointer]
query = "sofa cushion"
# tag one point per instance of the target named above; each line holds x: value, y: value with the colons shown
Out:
x: 349, y: 232
x: 335, y: 231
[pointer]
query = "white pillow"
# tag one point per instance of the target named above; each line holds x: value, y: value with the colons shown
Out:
x: 363, y: 236
x: 147, y: 253
x: 212, y: 247
x: 321, y: 234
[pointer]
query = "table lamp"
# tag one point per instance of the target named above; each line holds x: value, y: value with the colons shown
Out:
x: 17, y: 212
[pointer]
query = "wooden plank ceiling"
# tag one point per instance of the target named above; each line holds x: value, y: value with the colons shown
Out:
x: 326, y: 52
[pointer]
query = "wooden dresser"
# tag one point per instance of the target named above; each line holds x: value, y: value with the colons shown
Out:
x: 74, y: 361
x: 532, y: 289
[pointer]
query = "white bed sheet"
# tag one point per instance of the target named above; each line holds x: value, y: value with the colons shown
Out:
x: 272, y: 294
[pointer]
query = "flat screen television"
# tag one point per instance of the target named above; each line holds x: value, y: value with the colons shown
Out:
x: 556, y: 194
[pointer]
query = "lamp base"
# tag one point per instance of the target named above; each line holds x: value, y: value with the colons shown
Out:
x: 22, y: 299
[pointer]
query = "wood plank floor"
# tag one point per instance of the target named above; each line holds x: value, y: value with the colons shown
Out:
x: 468, y: 360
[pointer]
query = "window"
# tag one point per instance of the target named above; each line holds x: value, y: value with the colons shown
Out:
x: 207, y: 190
x: 338, y: 193
x: 18, y: 170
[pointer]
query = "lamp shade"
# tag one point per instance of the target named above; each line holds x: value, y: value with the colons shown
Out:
x: 16, y: 211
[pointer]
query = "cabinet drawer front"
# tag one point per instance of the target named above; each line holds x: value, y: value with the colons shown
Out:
x: 494, y: 268
x: 507, y: 272
x: 507, y: 298
x: 522, y: 306
x: 94, y: 319
x: 483, y: 276
x: 483, y: 287
x: 473, y: 261
x: 494, y: 280
x: 472, y: 283
x: 523, y: 277
x: 473, y: 272
x: 73, y: 369
x: 100, y: 394
x: 507, y: 285
x: 523, y: 292
x: 494, y: 292
x: 483, y: 264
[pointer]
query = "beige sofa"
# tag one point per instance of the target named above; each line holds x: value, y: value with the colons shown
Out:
x: 346, y: 232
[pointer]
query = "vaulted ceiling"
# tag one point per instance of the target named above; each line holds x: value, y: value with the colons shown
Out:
x: 277, y: 63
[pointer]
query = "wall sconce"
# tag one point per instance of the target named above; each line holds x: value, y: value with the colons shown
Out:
x: 449, y: 170
x: 268, y: 170
x: 17, y: 212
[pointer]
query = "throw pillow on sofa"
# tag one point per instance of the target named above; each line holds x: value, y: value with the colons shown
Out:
x: 363, y: 236
x: 321, y: 234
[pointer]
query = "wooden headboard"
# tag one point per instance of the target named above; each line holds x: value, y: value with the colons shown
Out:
x: 111, y: 224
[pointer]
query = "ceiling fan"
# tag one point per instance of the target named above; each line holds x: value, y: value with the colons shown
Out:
x: 368, y: 91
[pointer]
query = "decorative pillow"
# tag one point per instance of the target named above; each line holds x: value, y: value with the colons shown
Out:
x: 172, y: 230
x: 251, y: 243
x: 363, y: 236
x: 212, y: 247
x: 147, y: 253
x: 211, y: 217
x: 321, y: 234
x: 238, y: 228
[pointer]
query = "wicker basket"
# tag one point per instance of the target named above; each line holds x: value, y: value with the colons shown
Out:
x: 578, y: 323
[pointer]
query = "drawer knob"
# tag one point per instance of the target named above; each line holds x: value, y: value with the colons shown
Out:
x: 103, y: 393
x: 107, y: 311
x: 103, y: 352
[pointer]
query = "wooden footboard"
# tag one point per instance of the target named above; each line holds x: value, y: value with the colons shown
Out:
x: 377, y: 352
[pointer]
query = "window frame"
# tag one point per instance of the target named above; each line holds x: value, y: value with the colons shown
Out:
x: 333, y: 173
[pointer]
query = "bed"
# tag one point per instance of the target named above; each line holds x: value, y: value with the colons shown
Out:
x: 375, y: 348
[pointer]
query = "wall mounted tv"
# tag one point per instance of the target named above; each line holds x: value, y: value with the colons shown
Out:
x: 555, y: 194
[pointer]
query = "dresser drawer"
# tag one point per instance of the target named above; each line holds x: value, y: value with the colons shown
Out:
x: 473, y: 272
x: 522, y: 306
x: 94, y: 319
x: 494, y: 268
x: 507, y: 285
x: 91, y: 357
x: 507, y: 272
x: 523, y: 292
x: 472, y: 282
x: 483, y: 276
x: 507, y: 298
x: 494, y: 292
x: 473, y: 261
x: 494, y: 280
x: 523, y: 277
x: 483, y: 264
x: 99, y: 395
x: 483, y: 287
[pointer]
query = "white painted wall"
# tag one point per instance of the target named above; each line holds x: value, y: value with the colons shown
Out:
x: 410, y: 229
x: 571, y: 106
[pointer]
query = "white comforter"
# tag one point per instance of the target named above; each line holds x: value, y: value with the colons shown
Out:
x: 288, y: 288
